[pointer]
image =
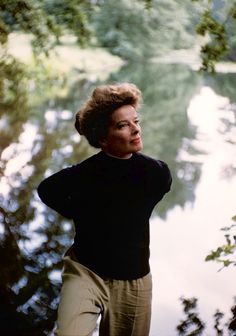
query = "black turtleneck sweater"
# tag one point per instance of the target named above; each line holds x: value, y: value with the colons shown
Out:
x: 110, y: 201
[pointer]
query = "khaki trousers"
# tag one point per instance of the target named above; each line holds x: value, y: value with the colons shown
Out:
x: 124, y: 306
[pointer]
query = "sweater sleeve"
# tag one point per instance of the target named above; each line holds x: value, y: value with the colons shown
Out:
x: 166, y: 178
x: 56, y: 192
x: 161, y: 180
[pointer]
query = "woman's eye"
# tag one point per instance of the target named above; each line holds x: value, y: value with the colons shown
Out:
x: 121, y: 126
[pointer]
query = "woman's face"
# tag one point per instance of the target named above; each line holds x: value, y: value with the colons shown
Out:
x: 124, y: 133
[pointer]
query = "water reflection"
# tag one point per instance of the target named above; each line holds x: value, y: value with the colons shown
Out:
x: 187, y: 235
x: 38, y: 138
x: 14, y: 109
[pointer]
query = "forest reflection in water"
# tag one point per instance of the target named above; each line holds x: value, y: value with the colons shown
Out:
x: 38, y: 138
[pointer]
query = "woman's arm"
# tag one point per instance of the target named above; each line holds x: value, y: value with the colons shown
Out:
x: 56, y: 192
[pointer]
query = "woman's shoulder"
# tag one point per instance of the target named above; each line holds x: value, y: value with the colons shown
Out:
x: 157, y: 169
x: 86, y: 162
x: 150, y: 161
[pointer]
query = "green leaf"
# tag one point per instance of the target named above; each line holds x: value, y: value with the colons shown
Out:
x: 227, y: 262
x: 214, y: 254
x: 229, y: 249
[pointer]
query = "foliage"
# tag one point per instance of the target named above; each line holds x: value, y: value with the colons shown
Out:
x: 14, y: 84
x: 218, y: 23
x: 45, y: 20
x: 131, y: 31
x: 48, y: 20
x: 121, y: 25
x: 226, y: 254
x: 192, y: 325
x: 72, y: 16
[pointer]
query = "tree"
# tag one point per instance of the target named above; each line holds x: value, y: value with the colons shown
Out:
x: 46, y: 21
x: 218, y: 23
x: 128, y: 29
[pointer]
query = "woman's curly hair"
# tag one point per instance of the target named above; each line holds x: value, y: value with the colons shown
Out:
x: 93, y: 119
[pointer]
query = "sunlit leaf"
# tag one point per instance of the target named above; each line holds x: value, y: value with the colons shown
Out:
x: 234, y: 218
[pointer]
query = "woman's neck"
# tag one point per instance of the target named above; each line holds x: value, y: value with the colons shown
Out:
x: 119, y: 157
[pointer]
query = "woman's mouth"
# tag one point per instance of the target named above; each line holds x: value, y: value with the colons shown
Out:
x: 136, y: 141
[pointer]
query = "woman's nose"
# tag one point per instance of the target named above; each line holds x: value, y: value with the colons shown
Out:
x: 136, y: 128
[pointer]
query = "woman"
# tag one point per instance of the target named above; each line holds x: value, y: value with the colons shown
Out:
x: 110, y: 197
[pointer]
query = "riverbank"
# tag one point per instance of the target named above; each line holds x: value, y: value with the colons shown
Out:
x: 191, y: 57
x: 94, y: 62
x: 99, y: 63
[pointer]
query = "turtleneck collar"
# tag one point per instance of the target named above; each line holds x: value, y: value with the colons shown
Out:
x: 117, y: 157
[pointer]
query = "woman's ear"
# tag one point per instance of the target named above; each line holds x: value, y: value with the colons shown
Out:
x: 103, y: 142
